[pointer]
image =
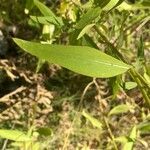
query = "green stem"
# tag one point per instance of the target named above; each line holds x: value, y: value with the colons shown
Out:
x: 110, y: 133
x: 135, y: 75
x: 136, y: 78
x: 110, y: 44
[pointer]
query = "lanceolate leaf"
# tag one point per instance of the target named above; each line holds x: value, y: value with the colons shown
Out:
x: 144, y: 127
x: 132, y: 138
x: 45, y: 10
x: 47, y: 20
x: 126, y: 6
x: 108, y: 3
x: 14, y: 135
x: 128, y: 146
x: 88, y: 41
x: 81, y: 59
x: 120, y: 109
x: 88, y: 17
x: 130, y: 85
x: 111, y: 4
x: 94, y: 121
x: 101, y: 3
x: 85, y: 30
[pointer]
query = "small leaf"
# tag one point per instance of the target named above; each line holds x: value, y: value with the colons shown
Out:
x: 111, y: 4
x: 145, y: 3
x: 120, y: 109
x: 29, y: 6
x: 147, y: 78
x: 130, y: 85
x: 119, y: 3
x: 128, y: 146
x: 45, y: 10
x: 14, y: 135
x: 131, y: 140
x: 94, y: 121
x: 101, y: 3
x: 133, y: 133
x: 140, y: 53
x: 125, y: 6
x: 85, y: 30
x: 81, y: 59
x: 121, y: 139
x: 44, y: 131
x: 88, y: 41
x: 88, y: 17
x: 46, y: 20
x: 144, y: 127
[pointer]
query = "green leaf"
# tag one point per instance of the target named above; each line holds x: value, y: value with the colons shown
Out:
x: 88, y: 17
x: 128, y: 141
x: 73, y: 37
x: 119, y: 3
x: 81, y: 59
x: 128, y: 146
x: 45, y: 131
x: 145, y: 3
x: 140, y: 53
x: 14, y: 135
x: 101, y: 3
x: 144, y: 127
x: 111, y: 4
x: 121, y: 139
x: 85, y: 30
x: 120, y: 109
x: 29, y: 6
x: 125, y: 6
x: 130, y: 85
x: 133, y: 133
x: 131, y: 140
x: 94, y: 121
x: 147, y: 78
x: 46, y: 20
x: 88, y: 41
x: 45, y: 10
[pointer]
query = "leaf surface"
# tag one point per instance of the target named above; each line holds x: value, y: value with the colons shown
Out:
x: 88, y: 17
x: 46, y: 11
x: 131, y: 140
x: 130, y: 85
x: 46, y: 20
x: 81, y: 59
x: 120, y: 109
x: 85, y: 30
x: 111, y: 4
x: 14, y: 135
x: 94, y: 121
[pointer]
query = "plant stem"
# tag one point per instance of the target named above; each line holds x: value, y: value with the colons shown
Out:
x: 135, y: 75
x: 110, y: 133
x: 110, y: 44
x: 136, y: 78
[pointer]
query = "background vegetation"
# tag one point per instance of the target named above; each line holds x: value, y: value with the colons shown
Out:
x: 44, y: 106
